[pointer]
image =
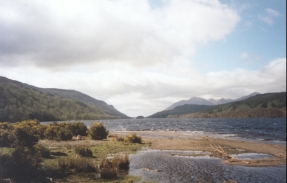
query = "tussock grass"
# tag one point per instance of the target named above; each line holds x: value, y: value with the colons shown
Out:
x: 109, y: 167
x: 76, y: 164
x: 83, y: 151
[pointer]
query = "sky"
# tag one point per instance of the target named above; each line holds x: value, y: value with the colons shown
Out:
x: 142, y: 56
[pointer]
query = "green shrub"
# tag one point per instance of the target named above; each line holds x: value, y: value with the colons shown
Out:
x: 78, y: 128
x: 98, y: 131
x: 6, y: 165
x: 6, y: 126
x: 4, y: 138
x: 22, y: 138
x: 59, y: 132
x: 50, y: 132
x: 84, y: 151
x: 133, y: 138
x: 22, y: 165
x: 64, y: 134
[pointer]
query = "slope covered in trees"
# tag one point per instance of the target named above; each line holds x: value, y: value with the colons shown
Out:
x: 19, y: 101
x: 179, y: 110
x: 262, y: 105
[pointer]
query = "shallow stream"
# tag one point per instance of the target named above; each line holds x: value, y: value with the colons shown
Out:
x: 164, y: 167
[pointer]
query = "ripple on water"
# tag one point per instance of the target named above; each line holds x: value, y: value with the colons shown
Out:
x: 156, y: 165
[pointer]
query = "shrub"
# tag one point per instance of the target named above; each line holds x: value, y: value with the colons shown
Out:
x: 60, y: 132
x: 6, y: 163
x: 6, y: 126
x: 22, y: 164
x: 78, y: 164
x: 98, y: 131
x: 64, y: 134
x: 4, y: 138
x: 45, y: 152
x: 133, y: 138
x: 50, y: 132
x: 84, y: 151
x: 24, y: 138
x: 78, y: 128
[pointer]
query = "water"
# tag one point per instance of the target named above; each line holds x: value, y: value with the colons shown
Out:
x: 161, y: 166
x: 269, y: 130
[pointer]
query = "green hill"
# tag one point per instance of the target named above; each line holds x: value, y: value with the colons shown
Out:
x: 262, y: 105
x: 179, y: 110
x: 19, y: 101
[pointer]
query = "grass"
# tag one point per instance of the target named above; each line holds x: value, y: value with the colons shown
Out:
x: 67, y: 167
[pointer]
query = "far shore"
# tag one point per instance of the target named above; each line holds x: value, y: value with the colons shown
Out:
x: 218, y: 147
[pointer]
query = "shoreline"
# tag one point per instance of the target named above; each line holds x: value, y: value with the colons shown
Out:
x: 223, y: 148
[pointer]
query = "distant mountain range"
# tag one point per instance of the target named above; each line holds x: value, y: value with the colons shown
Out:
x: 254, y: 105
x: 20, y: 101
x: 202, y: 101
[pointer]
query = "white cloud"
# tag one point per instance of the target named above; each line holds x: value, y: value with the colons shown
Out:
x: 269, y: 16
x: 58, y: 34
x: 244, y: 55
x: 272, y: 12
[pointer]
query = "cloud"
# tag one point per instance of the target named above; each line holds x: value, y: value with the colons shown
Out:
x: 59, y: 34
x: 144, y: 91
x: 272, y: 12
x: 269, y: 16
x: 244, y: 55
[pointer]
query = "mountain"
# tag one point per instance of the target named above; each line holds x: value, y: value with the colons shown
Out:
x: 260, y: 105
x: 202, y: 101
x: 179, y: 110
x: 253, y: 105
x: 20, y: 101
x: 78, y: 96
x: 247, y: 96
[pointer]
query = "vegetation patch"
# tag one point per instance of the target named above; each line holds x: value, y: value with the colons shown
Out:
x: 32, y: 152
x: 133, y: 138
x: 83, y: 151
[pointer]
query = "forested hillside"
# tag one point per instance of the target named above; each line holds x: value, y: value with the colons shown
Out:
x: 20, y: 101
x: 262, y: 105
x: 78, y: 96
x: 179, y: 110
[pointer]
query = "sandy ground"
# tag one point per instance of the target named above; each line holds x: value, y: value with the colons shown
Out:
x: 218, y: 147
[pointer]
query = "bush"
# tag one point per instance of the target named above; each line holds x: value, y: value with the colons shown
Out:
x: 23, y: 138
x: 98, y: 131
x: 133, y: 138
x: 60, y: 132
x: 84, y: 151
x: 22, y: 164
x: 78, y: 128
x: 50, y: 132
x: 4, y: 138
x: 64, y: 134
